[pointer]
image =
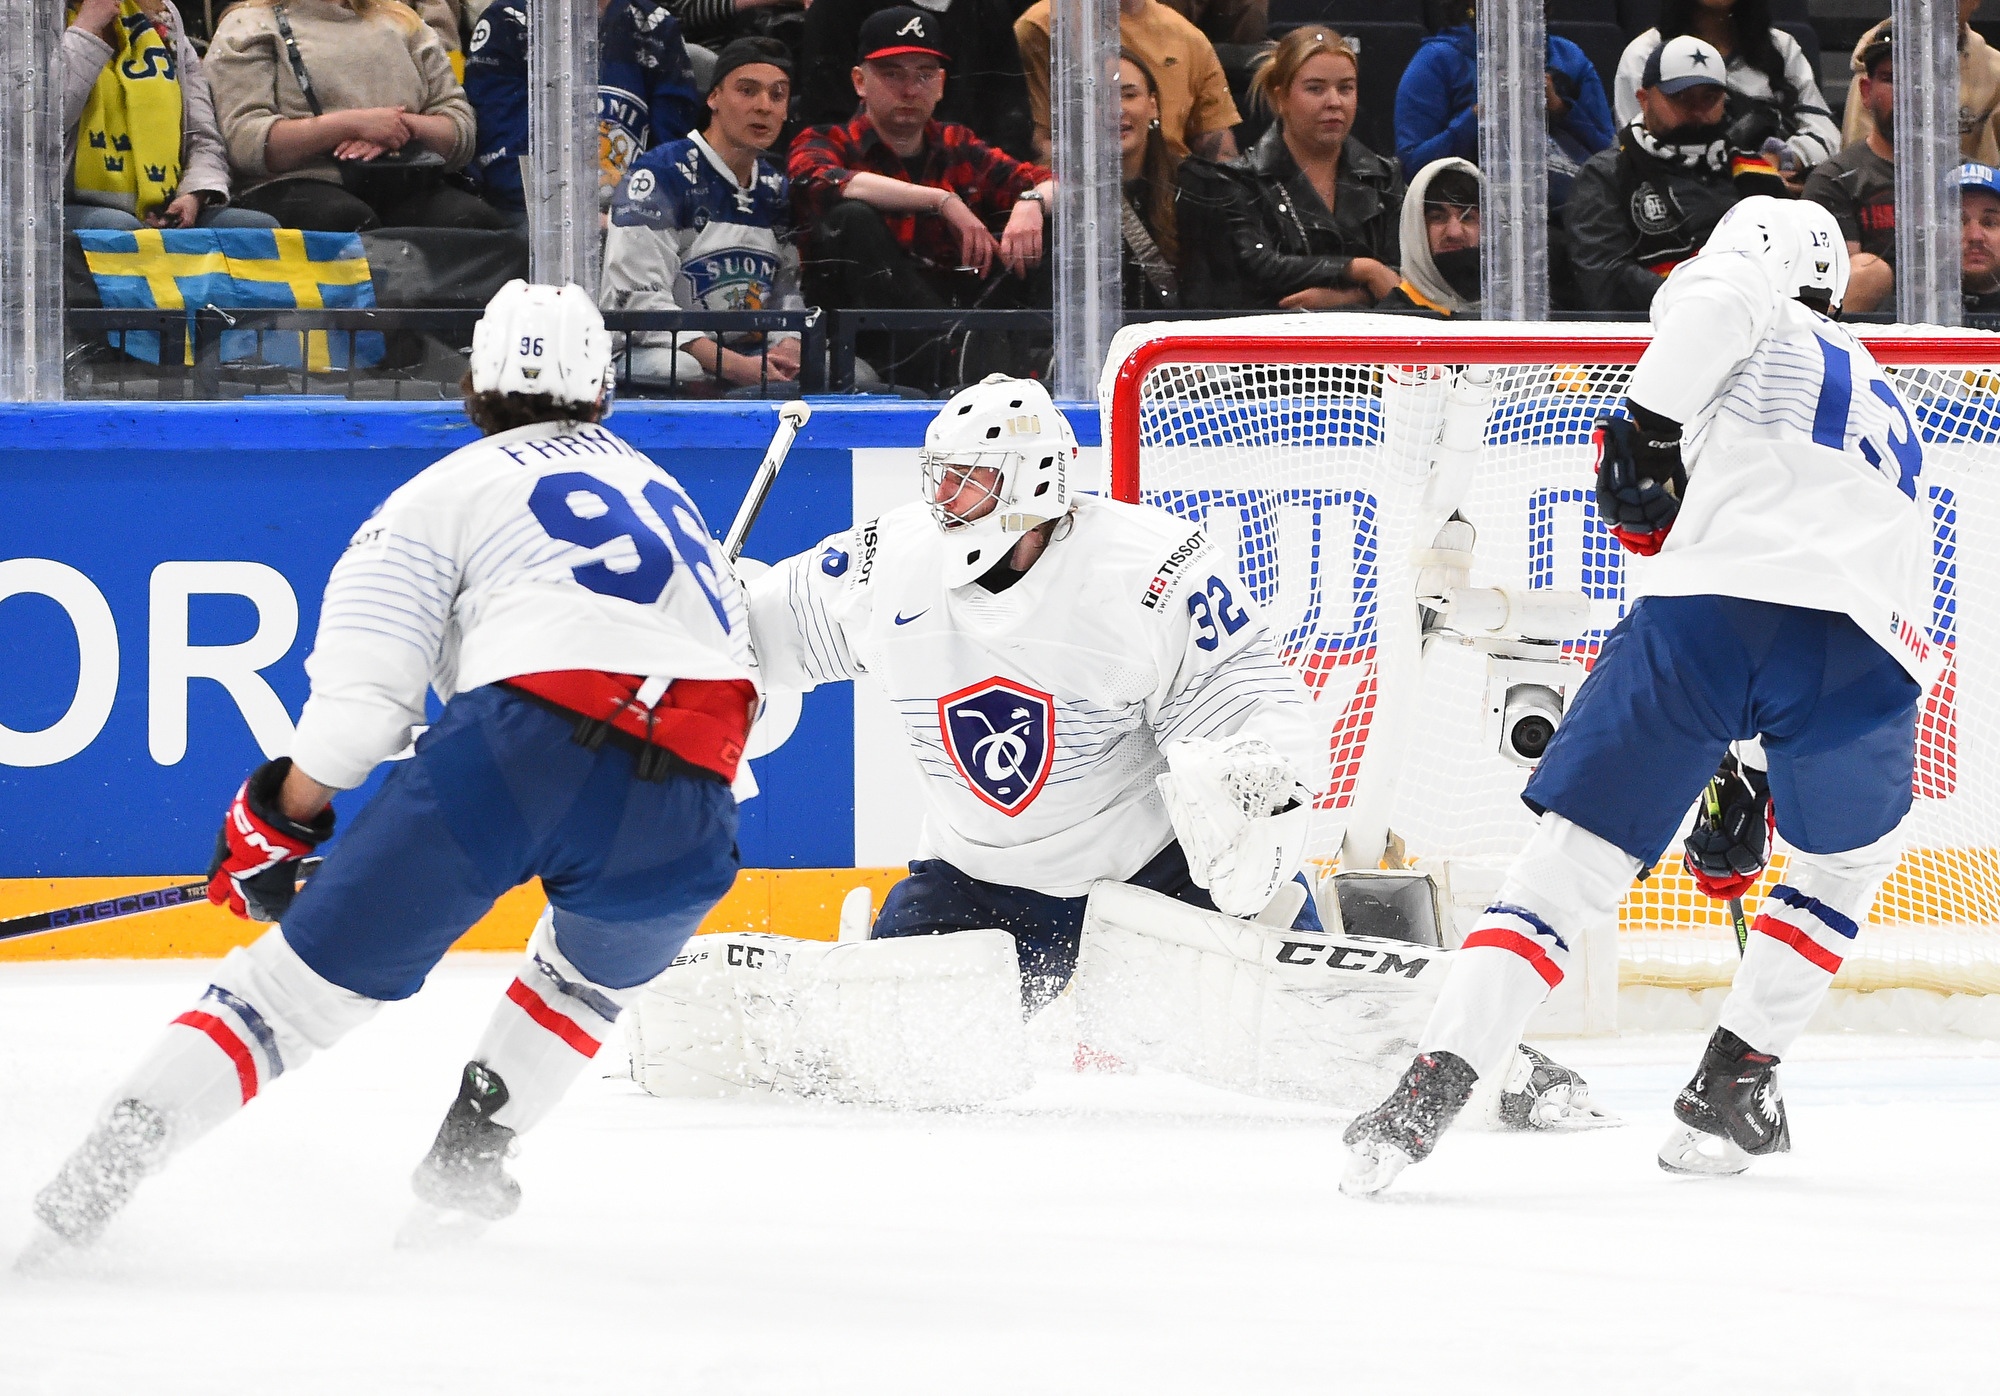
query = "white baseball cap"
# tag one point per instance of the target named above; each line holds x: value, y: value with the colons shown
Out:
x: 1681, y: 63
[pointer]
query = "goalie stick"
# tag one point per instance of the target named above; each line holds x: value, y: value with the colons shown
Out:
x: 791, y: 416
x: 111, y: 909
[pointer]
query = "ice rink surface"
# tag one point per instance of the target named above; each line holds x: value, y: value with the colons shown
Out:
x: 1110, y: 1234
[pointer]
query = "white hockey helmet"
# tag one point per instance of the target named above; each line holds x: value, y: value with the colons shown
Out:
x: 543, y: 341
x: 997, y: 463
x: 1797, y: 241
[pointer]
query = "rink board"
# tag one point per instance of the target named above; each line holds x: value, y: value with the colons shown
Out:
x: 160, y: 574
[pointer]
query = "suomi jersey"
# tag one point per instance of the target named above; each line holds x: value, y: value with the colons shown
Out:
x: 1804, y: 466
x: 552, y: 546
x: 1037, y: 714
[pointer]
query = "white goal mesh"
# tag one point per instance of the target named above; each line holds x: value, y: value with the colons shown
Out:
x: 1311, y: 453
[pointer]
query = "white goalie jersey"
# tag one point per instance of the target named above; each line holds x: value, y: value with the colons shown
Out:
x: 1037, y: 714
x: 552, y: 546
x: 1803, y: 463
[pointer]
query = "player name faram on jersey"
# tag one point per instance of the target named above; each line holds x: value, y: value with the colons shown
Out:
x: 1352, y: 958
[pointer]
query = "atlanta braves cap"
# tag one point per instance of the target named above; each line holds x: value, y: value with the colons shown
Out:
x: 901, y: 29
x: 1681, y: 63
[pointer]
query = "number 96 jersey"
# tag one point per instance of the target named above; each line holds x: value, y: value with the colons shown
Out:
x: 1804, y: 464
x: 552, y: 546
x: 1036, y: 714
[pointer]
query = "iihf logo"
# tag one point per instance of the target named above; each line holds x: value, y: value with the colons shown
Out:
x: 1000, y: 735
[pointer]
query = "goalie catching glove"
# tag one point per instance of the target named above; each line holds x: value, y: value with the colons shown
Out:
x: 256, y: 868
x: 1241, y: 817
x: 1730, y: 843
x: 1640, y: 478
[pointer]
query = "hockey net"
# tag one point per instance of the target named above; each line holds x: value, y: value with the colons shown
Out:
x: 1310, y: 453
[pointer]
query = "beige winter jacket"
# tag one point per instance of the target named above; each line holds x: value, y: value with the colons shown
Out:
x: 1978, y: 97
x: 203, y: 165
x: 387, y: 58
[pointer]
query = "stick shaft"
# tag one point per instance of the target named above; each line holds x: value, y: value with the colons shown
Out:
x: 791, y: 416
x: 68, y: 918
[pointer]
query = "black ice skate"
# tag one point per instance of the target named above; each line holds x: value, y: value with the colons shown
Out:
x: 97, y: 1180
x: 1541, y: 1093
x: 1403, y: 1129
x: 462, y: 1182
x: 1730, y: 1112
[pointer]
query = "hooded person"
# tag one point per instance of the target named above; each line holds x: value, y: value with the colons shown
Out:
x: 1441, y: 241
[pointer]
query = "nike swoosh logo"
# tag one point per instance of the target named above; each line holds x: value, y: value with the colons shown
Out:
x: 902, y: 619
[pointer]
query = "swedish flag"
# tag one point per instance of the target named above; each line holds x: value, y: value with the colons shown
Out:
x: 274, y: 268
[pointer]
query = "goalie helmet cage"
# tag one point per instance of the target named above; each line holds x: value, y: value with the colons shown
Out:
x: 1312, y: 454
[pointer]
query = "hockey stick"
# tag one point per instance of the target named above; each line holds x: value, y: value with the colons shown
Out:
x: 791, y: 416
x: 138, y: 904
x: 1713, y: 797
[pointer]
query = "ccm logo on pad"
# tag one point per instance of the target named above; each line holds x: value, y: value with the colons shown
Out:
x: 1351, y: 958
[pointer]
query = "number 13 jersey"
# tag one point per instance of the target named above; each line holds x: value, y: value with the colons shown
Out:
x: 1804, y: 466
x: 552, y: 546
x: 1036, y: 714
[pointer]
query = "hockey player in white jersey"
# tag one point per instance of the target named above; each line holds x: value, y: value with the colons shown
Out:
x: 1774, y: 470
x: 1050, y: 654
x: 589, y: 641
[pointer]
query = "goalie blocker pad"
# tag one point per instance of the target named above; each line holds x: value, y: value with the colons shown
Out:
x: 1247, y: 1007
x: 917, y: 1021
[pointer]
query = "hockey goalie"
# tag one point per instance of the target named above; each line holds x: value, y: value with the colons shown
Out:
x: 1094, y: 702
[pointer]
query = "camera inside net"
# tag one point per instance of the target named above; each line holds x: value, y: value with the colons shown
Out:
x: 1525, y: 702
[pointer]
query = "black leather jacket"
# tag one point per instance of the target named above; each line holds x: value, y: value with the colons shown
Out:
x: 1254, y: 231
x: 1633, y: 218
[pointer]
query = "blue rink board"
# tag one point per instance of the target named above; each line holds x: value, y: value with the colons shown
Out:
x: 115, y: 490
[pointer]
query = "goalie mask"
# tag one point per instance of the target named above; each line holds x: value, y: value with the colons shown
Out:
x: 996, y: 463
x: 544, y: 341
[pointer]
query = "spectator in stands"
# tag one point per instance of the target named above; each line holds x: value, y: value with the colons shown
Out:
x: 1196, y: 111
x: 1647, y: 204
x: 1148, y: 232
x: 140, y: 150
x: 985, y: 89
x: 899, y: 210
x: 1978, y: 89
x: 705, y: 223
x: 645, y: 96
x: 715, y: 22
x: 371, y: 146
x: 443, y: 17
x: 1440, y: 241
x: 1226, y: 21
x: 1773, y: 92
x: 1308, y: 220
x: 1437, y: 103
x: 1858, y: 186
x: 1979, y: 237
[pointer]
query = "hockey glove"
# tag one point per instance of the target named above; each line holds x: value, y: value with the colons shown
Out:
x: 256, y: 867
x: 1730, y: 843
x: 1640, y: 478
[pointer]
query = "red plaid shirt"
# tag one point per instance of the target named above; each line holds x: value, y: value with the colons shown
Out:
x: 824, y: 158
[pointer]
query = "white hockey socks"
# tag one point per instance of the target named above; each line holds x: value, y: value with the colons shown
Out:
x: 265, y: 1013
x: 1565, y: 881
x: 1805, y: 928
x: 547, y: 1029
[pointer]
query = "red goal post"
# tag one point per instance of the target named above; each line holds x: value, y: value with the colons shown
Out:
x: 1312, y: 450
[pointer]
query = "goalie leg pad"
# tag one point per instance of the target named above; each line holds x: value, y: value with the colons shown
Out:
x: 1804, y: 930
x: 910, y: 1021
x: 1286, y: 1013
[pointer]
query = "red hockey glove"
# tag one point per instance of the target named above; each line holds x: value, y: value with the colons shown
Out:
x: 1730, y: 843
x: 256, y: 867
x: 1640, y: 478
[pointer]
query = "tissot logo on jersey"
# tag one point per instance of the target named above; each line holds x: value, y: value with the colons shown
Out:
x: 1000, y: 735
x: 1168, y: 577
x: 869, y: 538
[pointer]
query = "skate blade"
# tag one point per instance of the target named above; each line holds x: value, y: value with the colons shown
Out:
x: 433, y: 1228
x: 1371, y: 1167
x: 1693, y: 1153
